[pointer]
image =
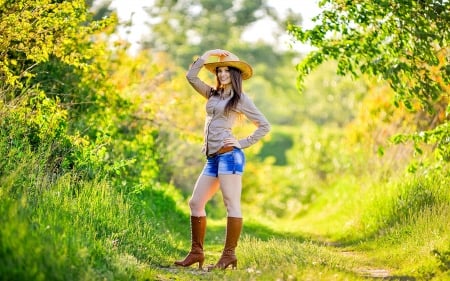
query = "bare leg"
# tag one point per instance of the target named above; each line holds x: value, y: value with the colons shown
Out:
x: 205, y: 188
x: 231, y: 187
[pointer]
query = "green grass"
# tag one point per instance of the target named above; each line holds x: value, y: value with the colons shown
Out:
x: 86, y: 229
x: 397, y: 225
x: 73, y: 229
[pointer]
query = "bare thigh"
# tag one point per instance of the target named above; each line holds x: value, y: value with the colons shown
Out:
x: 205, y: 188
x: 231, y: 187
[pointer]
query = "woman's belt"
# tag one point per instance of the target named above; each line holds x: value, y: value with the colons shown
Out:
x: 222, y: 150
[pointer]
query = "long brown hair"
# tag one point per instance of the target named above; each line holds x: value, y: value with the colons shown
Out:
x: 236, y: 86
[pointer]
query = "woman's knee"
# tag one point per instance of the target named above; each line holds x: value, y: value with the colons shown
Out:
x: 195, y: 204
x: 235, y: 213
x: 233, y: 208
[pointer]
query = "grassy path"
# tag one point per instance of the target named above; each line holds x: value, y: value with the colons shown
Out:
x: 316, y: 262
x: 267, y: 255
x: 323, y: 245
x: 98, y: 234
x: 367, y: 269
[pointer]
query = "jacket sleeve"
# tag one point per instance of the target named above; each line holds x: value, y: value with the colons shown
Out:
x: 192, y: 76
x: 253, y: 114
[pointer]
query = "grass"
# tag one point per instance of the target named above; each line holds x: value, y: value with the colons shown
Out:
x: 397, y: 225
x: 356, y: 229
x: 78, y: 229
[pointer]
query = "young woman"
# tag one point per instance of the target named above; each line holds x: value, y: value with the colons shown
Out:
x: 225, y: 159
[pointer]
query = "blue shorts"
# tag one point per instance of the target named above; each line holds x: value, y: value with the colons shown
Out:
x: 229, y: 163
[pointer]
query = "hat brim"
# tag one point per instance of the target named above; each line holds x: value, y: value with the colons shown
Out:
x: 244, y: 67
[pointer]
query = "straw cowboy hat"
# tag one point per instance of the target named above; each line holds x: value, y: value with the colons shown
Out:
x: 233, y: 61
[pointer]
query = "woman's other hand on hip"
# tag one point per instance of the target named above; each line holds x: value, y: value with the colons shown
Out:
x: 231, y: 142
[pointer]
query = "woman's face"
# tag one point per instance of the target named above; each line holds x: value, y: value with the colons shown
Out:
x: 223, y: 73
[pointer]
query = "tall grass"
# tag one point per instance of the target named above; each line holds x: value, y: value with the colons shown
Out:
x: 406, y: 201
x: 409, y: 223
x: 70, y: 228
x: 402, y: 223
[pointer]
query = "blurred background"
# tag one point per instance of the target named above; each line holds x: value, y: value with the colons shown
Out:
x: 336, y: 128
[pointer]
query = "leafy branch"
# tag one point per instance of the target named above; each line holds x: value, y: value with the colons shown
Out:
x: 403, y: 43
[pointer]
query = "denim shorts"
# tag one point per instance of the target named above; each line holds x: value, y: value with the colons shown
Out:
x: 229, y: 163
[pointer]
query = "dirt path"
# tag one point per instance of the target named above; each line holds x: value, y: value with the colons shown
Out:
x: 366, y: 271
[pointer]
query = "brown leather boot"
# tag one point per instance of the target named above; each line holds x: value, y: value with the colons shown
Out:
x: 198, y: 229
x: 234, y: 227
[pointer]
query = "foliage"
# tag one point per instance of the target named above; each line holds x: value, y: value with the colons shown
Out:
x: 314, y: 158
x: 33, y: 32
x: 45, y: 60
x: 330, y: 99
x: 439, y: 136
x: 278, y: 146
x: 405, y: 43
x: 79, y: 229
x: 58, y: 89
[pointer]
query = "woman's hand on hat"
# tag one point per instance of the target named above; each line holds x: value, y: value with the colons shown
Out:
x: 220, y: 53
x: 216, y: 52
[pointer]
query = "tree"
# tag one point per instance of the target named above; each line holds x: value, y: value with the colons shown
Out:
x: 53, y: 91
x: 405, y: 43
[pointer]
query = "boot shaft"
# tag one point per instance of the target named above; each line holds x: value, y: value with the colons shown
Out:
x: 198, y: 230
x: 233, y: 232
x: 234, y: 228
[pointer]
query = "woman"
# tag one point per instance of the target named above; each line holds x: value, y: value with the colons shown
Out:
x: 225, y: 159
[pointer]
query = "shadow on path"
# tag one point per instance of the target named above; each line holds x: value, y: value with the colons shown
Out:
x: 343, y: 249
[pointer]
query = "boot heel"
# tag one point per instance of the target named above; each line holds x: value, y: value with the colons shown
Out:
x: 196, y: 255
x: 233, y: 231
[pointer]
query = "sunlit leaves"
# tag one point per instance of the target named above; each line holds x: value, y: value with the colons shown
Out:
x: 439, y: 136
x: 32, y: 31
x: 52, y: 84
x: 405, y: 43
x: 383, y: 39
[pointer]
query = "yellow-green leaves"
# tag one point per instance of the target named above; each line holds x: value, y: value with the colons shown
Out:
x: 33, y: 31
x: 400, y: 42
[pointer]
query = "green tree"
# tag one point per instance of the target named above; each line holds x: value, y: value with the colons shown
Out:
x: 405, y: 43
x: 56, y: 92
x: 47, y: 74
